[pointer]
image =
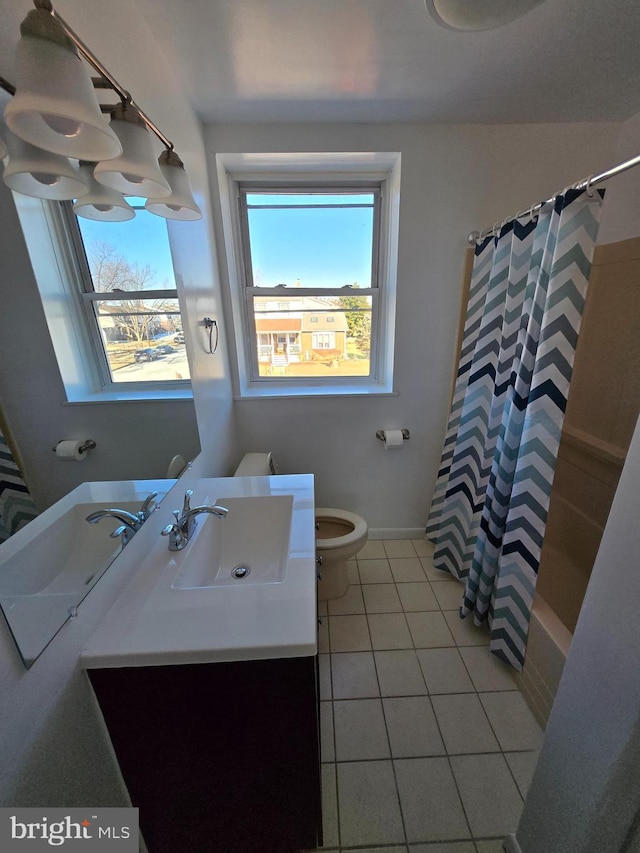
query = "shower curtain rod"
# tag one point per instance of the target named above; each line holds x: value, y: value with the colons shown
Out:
x: 586, y: 183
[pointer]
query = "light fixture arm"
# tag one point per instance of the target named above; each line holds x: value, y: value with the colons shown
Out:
x: 102, y: 71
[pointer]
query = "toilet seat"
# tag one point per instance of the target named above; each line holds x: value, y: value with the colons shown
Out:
x: 359, y: 528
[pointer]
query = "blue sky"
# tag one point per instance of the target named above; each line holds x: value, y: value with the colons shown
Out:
x: 142, y: 240
x: 323, y: 247
x: 327, y: 247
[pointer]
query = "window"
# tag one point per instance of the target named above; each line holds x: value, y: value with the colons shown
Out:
x: 320, y: 243
x: 312, y: 274
x: 130, y: 299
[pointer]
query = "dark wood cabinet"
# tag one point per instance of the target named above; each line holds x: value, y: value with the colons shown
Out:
x: 220, y: 757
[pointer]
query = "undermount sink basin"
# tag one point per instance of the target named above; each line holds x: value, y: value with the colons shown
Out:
x: 66, y: 557
x: 249, y: 546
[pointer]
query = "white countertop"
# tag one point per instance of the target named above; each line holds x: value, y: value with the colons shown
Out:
x: 152, y: 624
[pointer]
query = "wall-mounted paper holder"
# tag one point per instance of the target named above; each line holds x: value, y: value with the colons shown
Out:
x: 89, y: 444
x: 405, y: 434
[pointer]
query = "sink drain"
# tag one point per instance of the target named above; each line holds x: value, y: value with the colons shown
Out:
x: 241, y: 571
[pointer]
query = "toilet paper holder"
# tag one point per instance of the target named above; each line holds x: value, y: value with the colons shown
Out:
x: 89, y: 444
x: 382, y: 436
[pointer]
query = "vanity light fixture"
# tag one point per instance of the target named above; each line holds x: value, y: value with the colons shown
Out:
x: 101, y: 203
x: 135, y: 172
x: 476, y: 15
x: 55, y: 108
x: 34, y: 172
x: 180, y: 204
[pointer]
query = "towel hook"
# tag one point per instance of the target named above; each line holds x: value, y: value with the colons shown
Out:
x: 211, y: 325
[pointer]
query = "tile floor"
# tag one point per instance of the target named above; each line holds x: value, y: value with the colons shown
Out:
x: 427, y: 744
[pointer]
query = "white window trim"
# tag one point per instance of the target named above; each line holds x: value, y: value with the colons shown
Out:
x: 312, y: 167
x: 57, y: 268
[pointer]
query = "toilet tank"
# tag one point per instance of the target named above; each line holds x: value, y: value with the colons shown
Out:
x: 256, y: 465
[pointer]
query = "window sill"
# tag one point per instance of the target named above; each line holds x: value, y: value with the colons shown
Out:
x: 280, y: 391
x: 133, y: 396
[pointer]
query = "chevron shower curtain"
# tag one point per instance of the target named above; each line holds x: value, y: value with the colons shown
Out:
x: 16, y: 506
x: 490, y: 504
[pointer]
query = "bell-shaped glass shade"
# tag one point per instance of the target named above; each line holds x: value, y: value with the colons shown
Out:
x: 55, y: 106
x: 135, y: 172
x: 3, y: 149
x: 471, y: 15
x: 181, y: 203
x: 32, y: 171
x: 101, y: 203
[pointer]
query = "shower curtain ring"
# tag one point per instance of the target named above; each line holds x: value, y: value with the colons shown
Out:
x: 589, y: 188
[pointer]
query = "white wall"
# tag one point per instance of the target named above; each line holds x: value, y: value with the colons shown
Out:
x: 621, y: 212
x: 454, y: 179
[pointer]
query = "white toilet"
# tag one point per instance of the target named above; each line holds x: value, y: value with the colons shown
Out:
x: 339, y: 534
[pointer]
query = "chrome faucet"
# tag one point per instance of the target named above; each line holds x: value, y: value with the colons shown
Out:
x: 129, y: 523
x: 182, y: 529
x: 127, y: 518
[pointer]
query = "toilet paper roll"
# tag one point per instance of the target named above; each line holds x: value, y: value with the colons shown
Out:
x: 393, y: 439
x: 70, y: 450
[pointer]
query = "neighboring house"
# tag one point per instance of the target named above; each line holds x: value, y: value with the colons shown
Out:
x: 299, y: 330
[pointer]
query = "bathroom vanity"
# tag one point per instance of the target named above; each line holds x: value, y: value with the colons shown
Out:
x: 208, y: 682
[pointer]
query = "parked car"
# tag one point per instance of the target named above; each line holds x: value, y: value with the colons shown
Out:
x: 179, y: 338
x: 164, y: 349
x: 146, y: 354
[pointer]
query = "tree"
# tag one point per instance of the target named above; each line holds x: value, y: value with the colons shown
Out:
x: 113, y: 273
x: 358, y: 317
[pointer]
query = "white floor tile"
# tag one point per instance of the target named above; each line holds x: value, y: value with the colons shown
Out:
x: 360, y: 730
x: 446, y: 847
x: 369, y: 810
x: 389, y: 631
x: 493, y: 846
x: 486, y: 670
x: 329, y: 806
x: 327, y: 749
x: 491, y: 799
x: 399, y: 548
x: 429, y: 800
x: 399, y: 673
x: 434, y: 575
x: 522, y: 765
x: 371, y: 550
x: 512, y: 721
x: 324, y: 671
x: 412, y: 727
x: 348, y: 633
x: 352, y: 572
x: 407, y: 569
x: 381, y: 598
x: 465, y: 633
x: 463, y: 724
x: 424, y: 548
x: 350, y: 602
x: 444, y: 671
x: 449, y: 595
x: 354, y: 675
x: 375, y: 571
x: 323, y: 634
x: 417, y: 596
x: 429, y: 630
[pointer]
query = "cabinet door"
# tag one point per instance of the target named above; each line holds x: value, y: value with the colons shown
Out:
x: 222, y: 758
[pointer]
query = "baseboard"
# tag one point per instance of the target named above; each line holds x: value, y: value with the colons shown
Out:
x: 396, y: 533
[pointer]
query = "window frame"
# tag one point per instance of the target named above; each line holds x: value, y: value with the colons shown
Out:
x: 327, y: 172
